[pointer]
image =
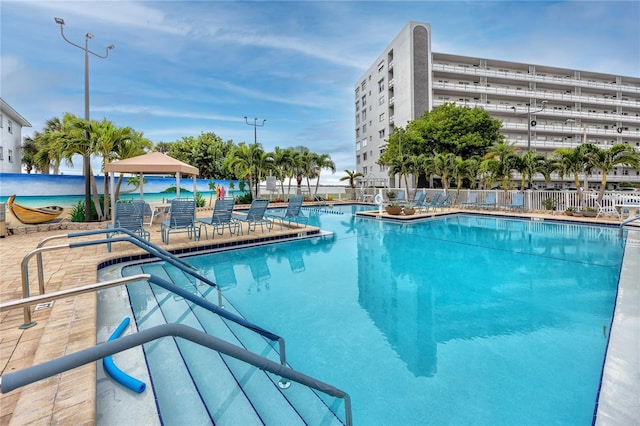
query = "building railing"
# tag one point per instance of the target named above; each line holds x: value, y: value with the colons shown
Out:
x: 525, y: 76
x: 525, y: 93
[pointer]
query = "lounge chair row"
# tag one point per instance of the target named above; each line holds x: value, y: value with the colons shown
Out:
x: 182, y: 217
x: 442, y: 200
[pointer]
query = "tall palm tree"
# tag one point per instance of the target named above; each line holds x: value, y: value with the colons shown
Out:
x: 323, y: 161
x: 281, y: 165
x: 302, y: 166
x: 607, y: 159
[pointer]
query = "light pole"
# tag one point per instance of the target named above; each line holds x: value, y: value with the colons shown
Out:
x: 86, y: 157
x: 255, y: 127
x: 529, y: 112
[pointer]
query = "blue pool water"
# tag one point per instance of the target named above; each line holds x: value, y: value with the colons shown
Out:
x: 462, y: 320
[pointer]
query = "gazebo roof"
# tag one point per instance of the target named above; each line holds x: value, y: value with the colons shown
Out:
x: 152, y: 163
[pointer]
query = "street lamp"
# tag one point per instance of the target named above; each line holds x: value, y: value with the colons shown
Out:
x: 255, y: 127
x: 529, y: 112
x: 86, y: 156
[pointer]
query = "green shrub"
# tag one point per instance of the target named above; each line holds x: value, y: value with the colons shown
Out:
x: 200, y: 201
x: 245, y: 198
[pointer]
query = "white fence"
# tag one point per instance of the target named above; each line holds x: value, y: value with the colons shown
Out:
x: 533, y: 200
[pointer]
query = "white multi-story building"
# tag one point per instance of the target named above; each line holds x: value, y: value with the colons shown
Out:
x: 542, y: 107
x: 11, y: 124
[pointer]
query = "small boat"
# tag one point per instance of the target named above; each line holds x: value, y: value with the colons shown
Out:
x: 33, y: 215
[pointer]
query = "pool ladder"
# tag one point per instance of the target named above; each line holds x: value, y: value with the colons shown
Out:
x: 16, y: 379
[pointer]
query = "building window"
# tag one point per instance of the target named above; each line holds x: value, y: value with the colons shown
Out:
x: 381, y: 66
x: 364, y: 171
x: 357, y: 119
x: 381, y: 133
x: 364, y: 114
x: 364, y: 84
x: 357, y: 133
x: 381, y: 117
x: 381, y: 86
x: 364, y: 142
x: 357, y: 146
x: 364, y: 128
x: 381, y: 100
x: 364, y: 101
x: 364, y: 156
x: 357, y: 159
x: 10, y: 126
x: 10, y: 156
x: 1, y: 153
x: 357, y: 105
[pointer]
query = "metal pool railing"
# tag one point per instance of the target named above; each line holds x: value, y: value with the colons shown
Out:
x: 16, y: 379
x: 151, y: 249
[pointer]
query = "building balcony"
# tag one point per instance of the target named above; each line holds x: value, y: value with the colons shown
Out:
x: 533, y: 94
x: 479, y: 72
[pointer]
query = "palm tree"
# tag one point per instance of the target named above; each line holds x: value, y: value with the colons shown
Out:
x: 460, y: 172
x: 504, y: 159
x: 547, y: 167
x: 572, y: 161
x: 250, y: 162
x: 607, y: 159
x: 529, y: 165
x: 444, y: 165
x: 351, y: 176
x: 302, y: 166
x: 323, y: 161
x: 29, y: 152
x: 281, y: 165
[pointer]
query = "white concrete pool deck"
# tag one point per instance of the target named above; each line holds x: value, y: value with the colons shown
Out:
x: 619, y: 401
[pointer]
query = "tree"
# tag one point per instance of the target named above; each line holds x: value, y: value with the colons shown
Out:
x: 322, y: 161
x: 250, y: 162
x: 502, y: 160
x: 607, y: 159
x: 351, y: 176
x: 572, y: 162
x: 547, y: 167
x: 444, y: 165
x: 29, y: 151
x: 529, y: 164
x: 207, y: 152
x: 281, y: 162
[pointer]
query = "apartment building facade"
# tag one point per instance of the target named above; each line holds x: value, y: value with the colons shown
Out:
x: 11, y: 124
x: 542, y: 107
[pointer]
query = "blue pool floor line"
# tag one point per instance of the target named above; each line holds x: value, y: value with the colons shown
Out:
x: 112, y: 370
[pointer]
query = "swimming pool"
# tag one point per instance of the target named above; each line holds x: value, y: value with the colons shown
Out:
x: 462, y: 320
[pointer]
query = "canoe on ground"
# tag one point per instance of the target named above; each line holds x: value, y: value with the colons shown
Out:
x: 33, y: 215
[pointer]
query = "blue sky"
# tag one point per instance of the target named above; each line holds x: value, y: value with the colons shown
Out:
x: 180, y: 68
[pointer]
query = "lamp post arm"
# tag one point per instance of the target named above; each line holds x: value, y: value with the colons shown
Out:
x: 85, y: 48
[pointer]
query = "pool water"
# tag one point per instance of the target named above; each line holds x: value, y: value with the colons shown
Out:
x: 462, y: 320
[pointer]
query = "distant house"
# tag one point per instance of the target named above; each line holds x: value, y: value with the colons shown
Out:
x: 11, y: 124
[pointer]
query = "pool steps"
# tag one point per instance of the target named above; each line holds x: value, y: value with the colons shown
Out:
x: 241, y: 393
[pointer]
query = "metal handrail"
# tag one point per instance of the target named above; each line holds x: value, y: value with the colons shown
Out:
x: 102, y: 231
x: 625, y: 222
x: 152, y: 249
x: 16, y: 379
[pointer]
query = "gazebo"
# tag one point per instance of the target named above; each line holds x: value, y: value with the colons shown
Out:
x: 152, y: 163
